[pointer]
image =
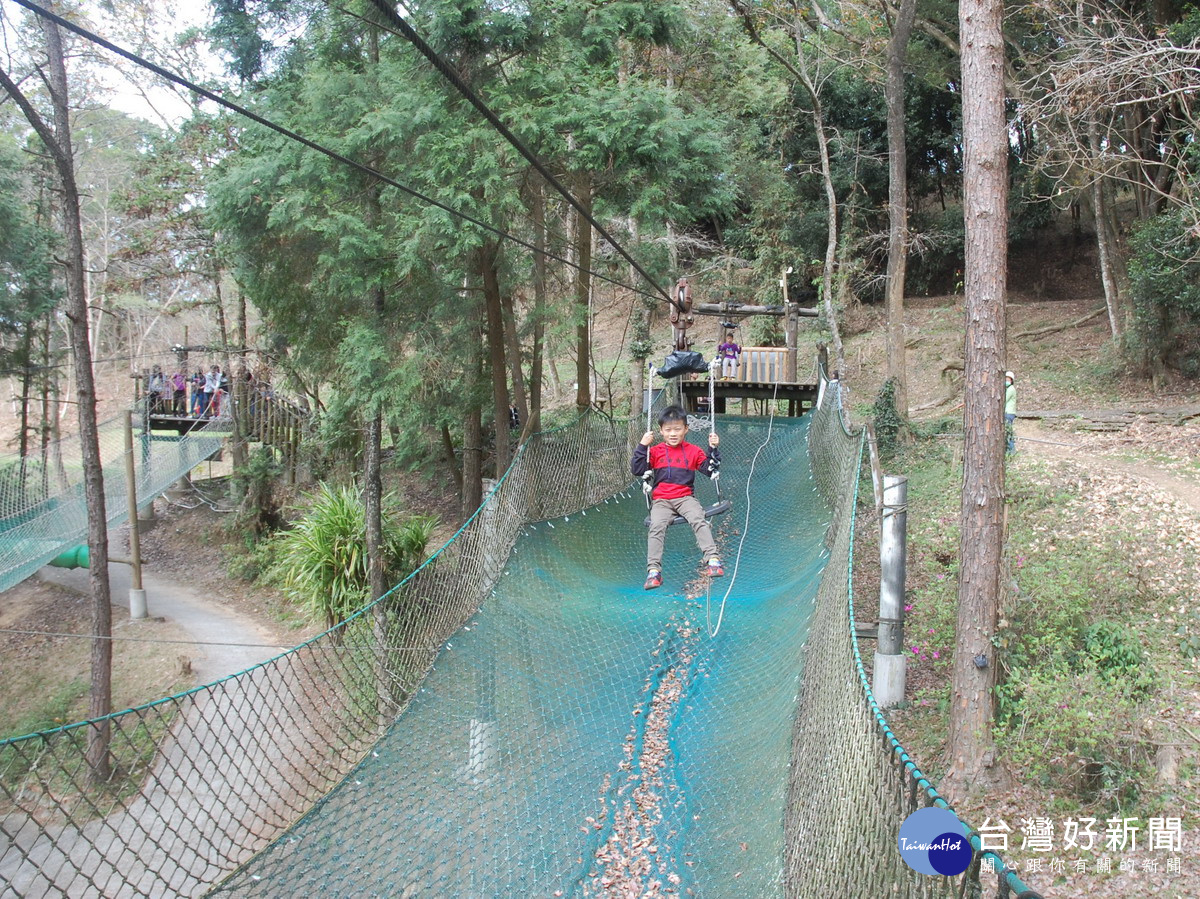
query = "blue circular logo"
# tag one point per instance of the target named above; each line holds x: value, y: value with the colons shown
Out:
x: 932, y: 841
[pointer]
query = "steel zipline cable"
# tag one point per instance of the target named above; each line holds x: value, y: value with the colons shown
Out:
x: 333, y: 154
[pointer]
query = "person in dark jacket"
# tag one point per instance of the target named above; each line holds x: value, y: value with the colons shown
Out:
x: 674, y: 464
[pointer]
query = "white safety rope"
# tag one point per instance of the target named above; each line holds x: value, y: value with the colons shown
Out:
x: 713, y: 631
x: 649, y: 475
x: 649, y: 395
x: 712, y: 412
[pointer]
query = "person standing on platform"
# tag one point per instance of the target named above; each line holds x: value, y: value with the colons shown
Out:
x: 178, y: 394
x: 156, y: 387
x: 197, y: 383
x: 1010, y: 410
x: 212, y: 388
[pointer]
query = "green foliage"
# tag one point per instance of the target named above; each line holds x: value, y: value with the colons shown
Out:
x: 1074, y: 678
x: 1068, y: 730
x: 1188, y: 636
x: 887, y: 419
x: 1187, y: 29
x: 1118, y: 656
x: 1164, y: 274
x: 936, y: 264
x: 1029, y: 210
x: 236, y: 33
x: 322, y: 562
x: 251, y: 561
x: 763, y: 330
x: 27, y: 289
x: 337, y: 434
x: 259, y: 512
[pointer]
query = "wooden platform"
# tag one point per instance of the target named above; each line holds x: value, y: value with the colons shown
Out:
x: 182, y: 424
x: 800, y: 398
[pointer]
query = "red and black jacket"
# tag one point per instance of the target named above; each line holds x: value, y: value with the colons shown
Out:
x: 674, y: 467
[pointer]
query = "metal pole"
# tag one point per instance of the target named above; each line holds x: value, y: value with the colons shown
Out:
x: 889, y: 676
x: 137, y: 595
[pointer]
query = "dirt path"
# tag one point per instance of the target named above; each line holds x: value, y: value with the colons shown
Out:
x: 1045, y: 443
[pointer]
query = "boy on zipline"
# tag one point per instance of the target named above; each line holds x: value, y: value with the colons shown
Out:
x: 675, y: 463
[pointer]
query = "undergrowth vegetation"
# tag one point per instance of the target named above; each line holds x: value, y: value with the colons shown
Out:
x: 322, y: 561
x: 1079, y: 674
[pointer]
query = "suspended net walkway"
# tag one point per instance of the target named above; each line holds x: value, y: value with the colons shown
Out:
x: 520, y: 718
x: 43, y: 512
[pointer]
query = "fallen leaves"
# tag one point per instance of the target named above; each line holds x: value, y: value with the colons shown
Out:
x: 629, y: 863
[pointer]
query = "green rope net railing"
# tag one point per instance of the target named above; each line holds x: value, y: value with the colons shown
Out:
x: 42, y: 506
x: 853, y: 783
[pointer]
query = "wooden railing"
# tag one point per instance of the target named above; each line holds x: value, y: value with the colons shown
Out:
x: 763, y: 364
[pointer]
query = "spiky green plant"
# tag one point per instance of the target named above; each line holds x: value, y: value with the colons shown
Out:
x: 322, y: 561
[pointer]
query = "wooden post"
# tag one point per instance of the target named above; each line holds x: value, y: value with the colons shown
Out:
x: 876, y: 468
x: 188, y: 387
x: 293, y: 450
x: 137, y: 595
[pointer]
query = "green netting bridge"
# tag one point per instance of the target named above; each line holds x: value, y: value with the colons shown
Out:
x: 520, y: 718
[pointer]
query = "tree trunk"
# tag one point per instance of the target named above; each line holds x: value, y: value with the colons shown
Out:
x: 373, y: 473
x: 472, y: 468
x: 373, y: 503
x: 48, y: 404
x: 831, y: 209
x: 486, y: 259
x: 373, y: 469
x: 57, y: 139
x: 448, y: 449
x: 583, y: 287
x: 472, y: 464
x: 641, y: 333
x: 26, y: 388
x: 1111, y: 299
x: 533, y: 423
x: 512, y: 346
x: 239, y: 401
x: 985, y: 137
x: 897, y: 54
x: 1111, y: 262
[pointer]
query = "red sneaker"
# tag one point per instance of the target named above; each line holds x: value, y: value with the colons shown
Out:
x: 715, y: 569
x: 653, y: 579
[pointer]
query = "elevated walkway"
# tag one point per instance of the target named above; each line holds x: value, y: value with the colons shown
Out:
x: 42, y: 497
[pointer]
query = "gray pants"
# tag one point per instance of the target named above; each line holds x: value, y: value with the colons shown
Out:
x: 662, y: 511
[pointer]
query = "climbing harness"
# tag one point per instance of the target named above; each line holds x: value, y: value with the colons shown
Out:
x: 721, y: 506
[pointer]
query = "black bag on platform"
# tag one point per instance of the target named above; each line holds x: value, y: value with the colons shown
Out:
x: 681, y: 361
